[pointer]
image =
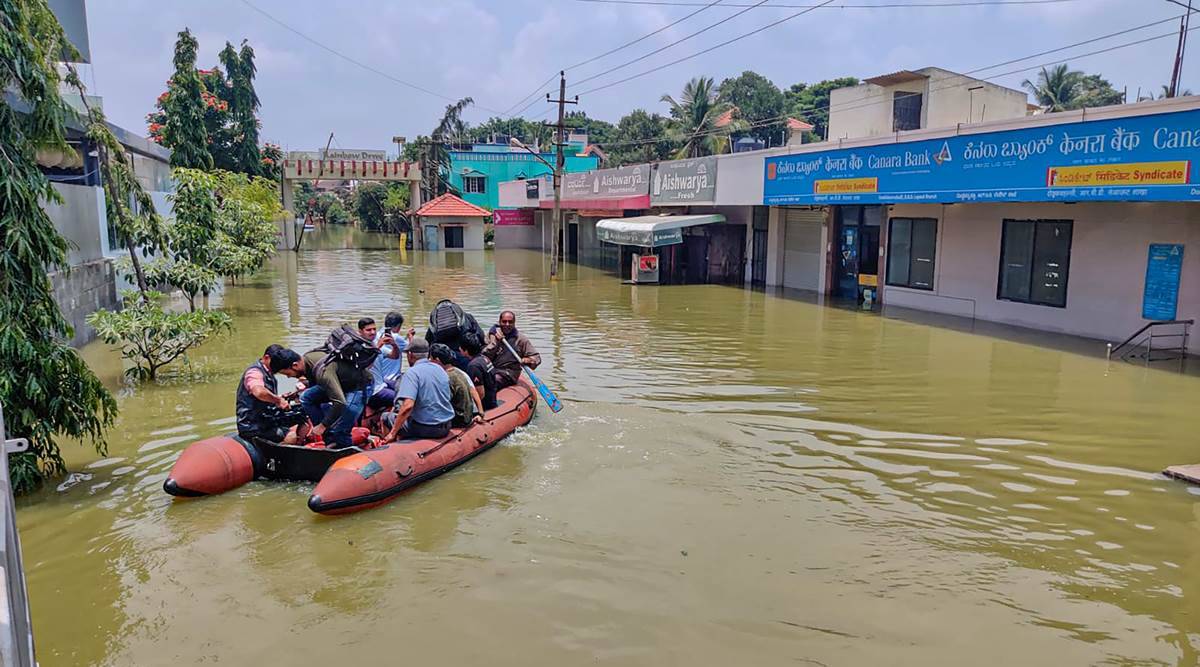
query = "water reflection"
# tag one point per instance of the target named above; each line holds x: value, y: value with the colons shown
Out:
x: 739, y: 476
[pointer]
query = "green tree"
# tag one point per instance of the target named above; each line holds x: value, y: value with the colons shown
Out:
x: 184, y: 131
x: 810, y: 103
x: 598, y: 131
x: 1096, y: 91
x: 243, y: 108
x: 694, y: 116
x: 639, y: 137
x: 369, y: 206
x: 151, y: 336
x: 47, y: 390
x: 435, y: 165
x: 1061, y: 88
x: 759, y: 102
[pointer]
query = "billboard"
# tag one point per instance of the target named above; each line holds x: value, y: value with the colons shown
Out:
x: 629, y: 181
x: 684, y: 182
x: 520, y: 216
x: 1140, y: 158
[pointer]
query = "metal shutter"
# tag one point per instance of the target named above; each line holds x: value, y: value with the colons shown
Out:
x: 802, y: 252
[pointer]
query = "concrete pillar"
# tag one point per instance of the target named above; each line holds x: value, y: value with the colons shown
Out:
x: 289, y: 196
x: 775, y: 240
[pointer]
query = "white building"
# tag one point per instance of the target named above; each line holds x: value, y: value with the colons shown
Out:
x: 914, y: 100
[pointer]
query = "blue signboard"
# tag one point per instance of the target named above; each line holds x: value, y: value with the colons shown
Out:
x: 1163, y: 268
x: 1139, y: 158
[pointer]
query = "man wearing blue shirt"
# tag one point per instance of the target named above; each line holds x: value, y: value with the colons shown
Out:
x: 423, y: 408
x: 391, y: 342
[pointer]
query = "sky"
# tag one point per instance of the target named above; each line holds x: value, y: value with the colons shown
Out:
x: 500, y: 51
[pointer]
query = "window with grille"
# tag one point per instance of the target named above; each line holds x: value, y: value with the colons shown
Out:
x: 474, y: 184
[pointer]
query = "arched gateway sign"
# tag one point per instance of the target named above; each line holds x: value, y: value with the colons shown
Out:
x: 348, y: 165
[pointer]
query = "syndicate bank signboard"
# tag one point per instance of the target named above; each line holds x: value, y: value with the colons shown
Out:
x: 630, y: 181
x: 1138, y: 158
x: 684, y: 182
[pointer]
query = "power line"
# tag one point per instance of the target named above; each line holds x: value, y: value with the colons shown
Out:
x: 711, y: 48
x: 348, y: 59
x: 678, y: 41
x: 626, y: 45
x: 827, y: 108
x: 845, y: 5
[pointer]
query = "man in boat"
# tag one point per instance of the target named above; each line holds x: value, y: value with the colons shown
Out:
x: 260, y: 407
x: 480, y: 370
x: 468, y: 408
x: 338, y: 379
x: 423, y: 408
x: 508, y: 366
x: 385, y: 372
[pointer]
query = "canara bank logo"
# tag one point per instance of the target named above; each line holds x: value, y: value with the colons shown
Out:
x: 944, y: 154
x: 771, y: 171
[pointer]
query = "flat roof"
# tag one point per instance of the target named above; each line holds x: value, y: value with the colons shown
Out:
x: 903, y: 76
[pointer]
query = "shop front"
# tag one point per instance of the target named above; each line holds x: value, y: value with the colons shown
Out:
x: 679, y: 244
x: 590, y: 197
x: 711, y: 253
x: 1052, y: 222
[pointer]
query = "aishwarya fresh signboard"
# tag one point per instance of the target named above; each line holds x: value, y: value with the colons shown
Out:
x: 1139, y: 158
x: 607, y: 183
x: 684, y: 182
x: 520, y: 216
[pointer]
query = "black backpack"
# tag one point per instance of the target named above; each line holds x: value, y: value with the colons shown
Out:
x: 447, y: 323
x: 345, y: 344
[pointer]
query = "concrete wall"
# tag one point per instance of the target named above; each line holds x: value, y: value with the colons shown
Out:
x: 1107, y: 270
x: 519, y: 236
x: 740, y: 179
x: 83, y: 290
x: 81, y: 219
x: 866, y: 110
x: 951, y: 101
x: 472, y: 232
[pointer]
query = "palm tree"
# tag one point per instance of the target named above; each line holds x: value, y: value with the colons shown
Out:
x: 694, y: 118
x: 1056, y: 89
x: 451, y: 128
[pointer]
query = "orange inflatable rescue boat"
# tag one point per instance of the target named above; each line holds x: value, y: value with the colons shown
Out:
x: 349, y: 479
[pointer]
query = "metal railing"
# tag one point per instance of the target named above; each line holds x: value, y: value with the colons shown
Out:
x: 16, y: 628
x: 1142, y: 343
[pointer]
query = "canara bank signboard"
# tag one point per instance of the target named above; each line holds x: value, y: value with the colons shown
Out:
x: 1143, y: 158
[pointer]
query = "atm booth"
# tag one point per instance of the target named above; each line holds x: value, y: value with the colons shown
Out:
x: 673, y: 249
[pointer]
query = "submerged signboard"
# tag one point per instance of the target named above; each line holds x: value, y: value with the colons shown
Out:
x: 1141, y: 158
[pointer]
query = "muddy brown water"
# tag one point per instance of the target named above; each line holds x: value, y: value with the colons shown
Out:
x: 738, y: 478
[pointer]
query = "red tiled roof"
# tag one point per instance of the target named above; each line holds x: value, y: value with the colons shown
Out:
x: 725, y: 118
x: 449, y: 206
x: 797, y: 124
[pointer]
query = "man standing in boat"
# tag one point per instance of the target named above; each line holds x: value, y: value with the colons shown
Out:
x: 259, y: 404
x: 508, y: 366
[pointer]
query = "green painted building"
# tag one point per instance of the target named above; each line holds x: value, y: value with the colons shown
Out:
x: 478, y: 173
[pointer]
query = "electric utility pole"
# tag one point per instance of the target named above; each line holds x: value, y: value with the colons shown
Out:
x: 560, y: 140
x: 1177, y: 71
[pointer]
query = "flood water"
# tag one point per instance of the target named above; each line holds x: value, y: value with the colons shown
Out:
x: 738, y: 478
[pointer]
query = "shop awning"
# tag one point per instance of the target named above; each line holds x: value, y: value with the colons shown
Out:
x: 651, y: 231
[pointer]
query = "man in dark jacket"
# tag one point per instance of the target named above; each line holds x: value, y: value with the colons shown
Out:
x: 508, y: 367
x: 259, y: 404
x: 343, y: 387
